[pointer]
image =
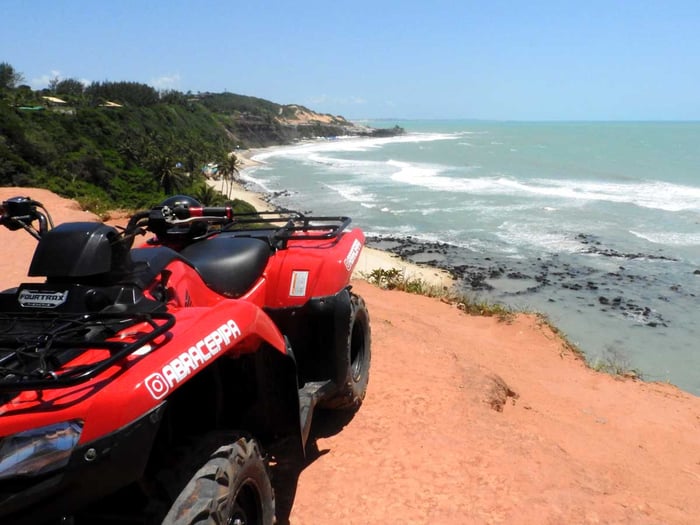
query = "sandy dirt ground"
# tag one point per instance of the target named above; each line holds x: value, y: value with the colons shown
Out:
x: 475, y: 420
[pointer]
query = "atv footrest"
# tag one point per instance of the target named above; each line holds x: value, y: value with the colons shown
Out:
x: 309, y: 396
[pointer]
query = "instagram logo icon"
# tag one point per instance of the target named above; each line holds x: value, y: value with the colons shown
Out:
x: 157, y: 385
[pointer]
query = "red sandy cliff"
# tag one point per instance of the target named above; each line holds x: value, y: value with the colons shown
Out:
x: 473, y: 420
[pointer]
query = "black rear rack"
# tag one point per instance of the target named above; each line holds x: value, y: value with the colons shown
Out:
x: 35, y: 349
x: 291, y: 224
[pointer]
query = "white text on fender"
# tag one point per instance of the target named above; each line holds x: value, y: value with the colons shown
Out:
x: 160, y: 383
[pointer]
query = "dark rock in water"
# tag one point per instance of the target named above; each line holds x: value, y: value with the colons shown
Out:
x: 594, y: 246
x: 502, y: 278
x: 384, y: 132
x: 696, y: 272
x: 572, y: 286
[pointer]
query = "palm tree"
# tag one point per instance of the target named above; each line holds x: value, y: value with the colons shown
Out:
x: 209, y: 196
x: 228, y: 168
x: 168, y: 172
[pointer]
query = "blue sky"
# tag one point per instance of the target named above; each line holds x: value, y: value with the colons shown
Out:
x: 502, y: 60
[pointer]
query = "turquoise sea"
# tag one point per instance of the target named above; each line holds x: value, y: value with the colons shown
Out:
x: 595, y: 224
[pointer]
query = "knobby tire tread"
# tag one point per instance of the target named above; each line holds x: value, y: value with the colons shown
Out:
x: 207, y: 497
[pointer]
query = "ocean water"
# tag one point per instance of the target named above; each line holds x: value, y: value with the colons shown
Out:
x: 595, y: 224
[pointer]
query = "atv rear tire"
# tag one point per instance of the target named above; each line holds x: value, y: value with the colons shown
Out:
x: 353, y: 359
x: 232, y: 487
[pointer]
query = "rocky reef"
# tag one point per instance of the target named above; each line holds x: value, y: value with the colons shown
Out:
x: 551, y: 275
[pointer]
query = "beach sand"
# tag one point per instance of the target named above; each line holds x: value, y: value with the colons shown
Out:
x: 472, y: 420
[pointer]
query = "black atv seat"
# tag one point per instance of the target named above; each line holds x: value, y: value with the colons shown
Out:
x: 229, y: 265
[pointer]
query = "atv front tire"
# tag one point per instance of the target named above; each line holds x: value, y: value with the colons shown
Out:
x: 353, y: 359
x: 232, y: 487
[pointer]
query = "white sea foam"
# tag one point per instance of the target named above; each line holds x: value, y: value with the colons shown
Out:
x: 449, y: 210
x: 354, y: 193
x: 398, y: 231
x: 669, y: 238
x: 657, y: 195
x: 261, y: 183
x: 353, y: 167
x: 334, y: 162
x: 519, y: 234
x: 449, y: 237
x: 428, y: 176
x: 356, y: 144
x: 653, y: 194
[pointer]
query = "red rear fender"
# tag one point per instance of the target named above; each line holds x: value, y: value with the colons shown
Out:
x: 313, y: 268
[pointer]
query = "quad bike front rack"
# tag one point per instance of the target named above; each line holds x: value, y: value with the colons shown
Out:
x: 294, y: 224
x: 34, y: 349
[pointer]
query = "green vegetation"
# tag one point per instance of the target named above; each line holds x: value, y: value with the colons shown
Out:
x: 567, y: 345
x: 126, y: 145
x: 615, y: 363
x: 395, y: 279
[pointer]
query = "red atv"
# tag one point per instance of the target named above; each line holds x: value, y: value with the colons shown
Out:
x: 143, y: 384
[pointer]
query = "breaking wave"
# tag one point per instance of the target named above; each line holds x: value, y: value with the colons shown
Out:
x: 658, y: 195
x: 669, y: 238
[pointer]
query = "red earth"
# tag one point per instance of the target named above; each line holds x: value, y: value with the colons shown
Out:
x: 475, y: 420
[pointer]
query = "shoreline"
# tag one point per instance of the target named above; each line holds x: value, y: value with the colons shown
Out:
x: 599, y: 281
x: 370, y: 258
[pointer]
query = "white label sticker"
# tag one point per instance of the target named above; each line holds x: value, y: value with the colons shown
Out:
x: 351, y: 257
x: 300, y: 279
x: 160, y: 383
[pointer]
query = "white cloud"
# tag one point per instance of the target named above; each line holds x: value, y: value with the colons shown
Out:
x: 43, y: 81
x: 166, y: 82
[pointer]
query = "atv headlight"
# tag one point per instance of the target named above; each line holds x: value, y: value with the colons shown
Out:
x: 39, y: 450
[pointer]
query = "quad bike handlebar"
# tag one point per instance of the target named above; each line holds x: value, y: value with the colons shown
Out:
x: 183, y: 223
x: 20, y: 213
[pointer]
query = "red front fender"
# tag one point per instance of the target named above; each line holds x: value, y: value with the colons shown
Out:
x: 132, y: 388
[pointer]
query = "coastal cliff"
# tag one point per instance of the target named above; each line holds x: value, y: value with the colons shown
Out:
x: 124, y: 144
x: 287, y: 124
x: 474, y: 420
